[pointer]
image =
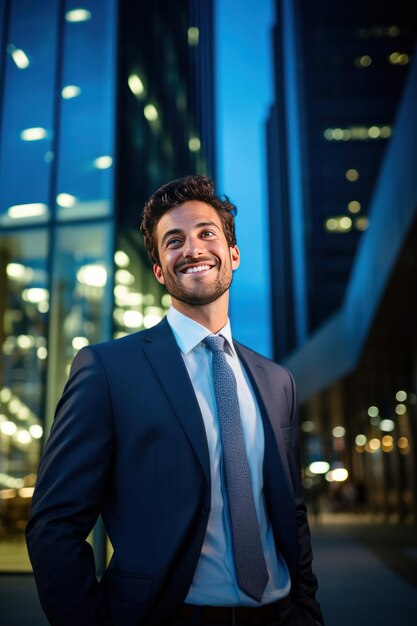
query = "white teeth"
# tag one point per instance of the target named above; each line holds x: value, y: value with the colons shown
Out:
x: 197, y: 268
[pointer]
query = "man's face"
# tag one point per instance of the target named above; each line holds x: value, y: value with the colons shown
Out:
x: 196, y: 262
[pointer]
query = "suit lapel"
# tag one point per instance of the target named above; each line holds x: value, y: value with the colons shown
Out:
x: 269, y: 404
x: 163, y: 353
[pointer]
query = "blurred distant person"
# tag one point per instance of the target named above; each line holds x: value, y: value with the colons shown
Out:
x: 187, y: 444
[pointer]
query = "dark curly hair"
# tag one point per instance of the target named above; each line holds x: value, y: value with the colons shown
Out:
x: 176, y: 192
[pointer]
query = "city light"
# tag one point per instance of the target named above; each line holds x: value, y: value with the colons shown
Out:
x: 194, y: 144
x: 319, y: 467
x: 136, y: 85
x: 21, y: 211
x: 66, y: 200
x: 401, y: 396
x: 387, y: 425
x: 93, y: 275
x: 33, y: 134
x: 338, y: 431
x: 19, y: 56
x: 151, y: 112
x: 121, y: 259
x: 78, y: 15
x: 193, y: 35
x: 70, y: 91
x: 103, y: 162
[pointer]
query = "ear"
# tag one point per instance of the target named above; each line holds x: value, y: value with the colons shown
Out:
x: 235, y: 257
x: 157, y: 270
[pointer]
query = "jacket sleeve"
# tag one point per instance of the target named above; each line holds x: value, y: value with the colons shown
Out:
x: 72, y: 478
x: 306, y: 583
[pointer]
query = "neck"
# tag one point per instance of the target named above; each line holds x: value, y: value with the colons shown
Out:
x: 212, y: 316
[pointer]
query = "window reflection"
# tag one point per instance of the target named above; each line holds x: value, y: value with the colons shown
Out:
x: 82, y: 305
x: 139, y: 300
x: 86, y: 136
x: 27, y: 130
x: 24, y: 305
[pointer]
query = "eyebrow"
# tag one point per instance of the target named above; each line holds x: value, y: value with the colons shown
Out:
x: 178, y: 231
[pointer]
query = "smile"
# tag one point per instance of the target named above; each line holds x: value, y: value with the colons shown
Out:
x: 196, y: 269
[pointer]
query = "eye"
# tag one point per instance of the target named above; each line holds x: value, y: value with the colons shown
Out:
x: 207, y: 233
x: 175, y: 241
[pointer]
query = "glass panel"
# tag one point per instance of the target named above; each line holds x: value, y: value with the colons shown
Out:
x: 24, y: 304
x: 86, y: 139
x: 81, y: 303
x: 140, y: 301
x: 27, y: 123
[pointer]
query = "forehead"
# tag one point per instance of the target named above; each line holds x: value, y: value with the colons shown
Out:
x: 187, y: 216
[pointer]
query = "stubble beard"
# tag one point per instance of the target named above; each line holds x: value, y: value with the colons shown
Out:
x: 201, y: 294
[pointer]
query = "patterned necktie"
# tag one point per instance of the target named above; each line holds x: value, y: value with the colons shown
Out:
x: 251, y: 570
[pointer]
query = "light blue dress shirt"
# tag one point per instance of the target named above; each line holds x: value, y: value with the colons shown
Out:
x: 215, y: 582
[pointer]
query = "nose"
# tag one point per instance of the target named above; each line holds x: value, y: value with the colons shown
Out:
x: 192, y: 247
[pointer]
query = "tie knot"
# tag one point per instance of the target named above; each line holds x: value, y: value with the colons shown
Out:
x: 215, y: 343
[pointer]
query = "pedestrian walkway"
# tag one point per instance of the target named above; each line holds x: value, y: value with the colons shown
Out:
x: 367, y: 575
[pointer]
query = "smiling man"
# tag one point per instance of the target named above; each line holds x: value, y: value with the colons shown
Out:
x: 187, y: 444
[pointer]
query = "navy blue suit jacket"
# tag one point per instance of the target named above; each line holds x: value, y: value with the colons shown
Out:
x: 128, y: 442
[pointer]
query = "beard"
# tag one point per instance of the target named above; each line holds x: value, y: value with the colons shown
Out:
x: 199, y: 293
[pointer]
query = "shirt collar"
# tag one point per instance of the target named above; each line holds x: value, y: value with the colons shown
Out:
x: 189, y: 333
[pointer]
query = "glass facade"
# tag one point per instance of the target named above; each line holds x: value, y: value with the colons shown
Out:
x: 58, y: 76
x: 90, y: 125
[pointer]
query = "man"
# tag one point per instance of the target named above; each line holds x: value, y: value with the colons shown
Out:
x: 187, y: 444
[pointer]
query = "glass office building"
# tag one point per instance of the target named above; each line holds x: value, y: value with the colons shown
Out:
x: 342, y: 139
x: 100, y: 102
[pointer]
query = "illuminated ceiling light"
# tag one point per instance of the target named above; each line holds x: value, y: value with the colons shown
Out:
x: 354, y: 206
x: 393, y: 31
x: 66, y: 200
x: 8, y: 428
x: 166, y: 300
x: 360, y: 440
x: 194, y: 144
x: 403, y: 59
x: 5, y: 395
x: 103, y: 162
x: 373, y: 411
x: 387, y: 425
x: 362, y: 223
x: 340, y: 474
x: 121, y: 258
x: 401, y: 396
x: 401, y: 409
x: 16, y: 271
x: 25, y: 342
x: 345, y: 223
x: 386, y: 131
x: 33, y: 134
x: 20, y: 211
x: 338, y: 431
x: 364, y: 61
x: 36, y: 431
x: 42, y: 353
x: 124, y: 277
x: 352, y: 175
x: 393, y: 57
x: 151, y: 112
x: 93, y: 275
x: 79, y: 342
x: 78, y: 15
x: 374, y: 132
x: 331, y: 224
x: 35, y: 295
x: 70, y: 91
x: 132, y: 319
x: 19, y: 56
x: 135, y: 85
x: 319, y: 467
x: 193, y: 35
x: 23, y: 436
